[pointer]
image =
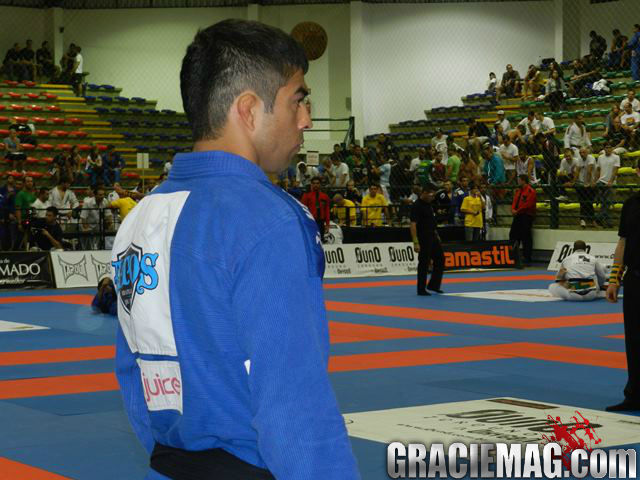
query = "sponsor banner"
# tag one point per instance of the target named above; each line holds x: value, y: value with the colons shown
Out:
x: 498, y: 420
x: 602, y: 251
x: 370, y: 259
x: 80, y: 269
x: 25, y: 270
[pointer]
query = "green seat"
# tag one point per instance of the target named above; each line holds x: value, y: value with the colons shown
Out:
x: 598, y: 140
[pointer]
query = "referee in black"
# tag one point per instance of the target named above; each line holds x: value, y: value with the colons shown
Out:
x: 426, y: 241
x: 627, y: 255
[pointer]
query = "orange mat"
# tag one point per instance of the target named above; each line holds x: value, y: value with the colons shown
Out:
x: 10, y: 470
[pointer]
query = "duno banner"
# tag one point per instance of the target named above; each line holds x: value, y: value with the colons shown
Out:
x: 602, y: 251
x: 80, y: 269
x: 369, y: 259
x: 25, y: 270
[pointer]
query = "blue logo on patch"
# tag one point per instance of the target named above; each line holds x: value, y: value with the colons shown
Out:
x: 135, y: 272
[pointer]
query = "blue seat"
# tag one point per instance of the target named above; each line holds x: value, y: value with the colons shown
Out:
x: 89, y: 98
x: 138, y: 100
x: 106, y: 86
x: 183, y: 124
x: 102, y: 110
x: 148, y: 123
x: 135, y: 111
x: 146, y: 135
x: 122, y: 99
x: 182, y: 137
x: 142, y: 148
x: 106, y: 98
x: 128, y: 135
x: 163, y: 136
x: 167, y: 111
x: 151, y: 111
x: 93, y: 86
x: 114, y: 122
x: 156, y: 161
x: 119, y: 110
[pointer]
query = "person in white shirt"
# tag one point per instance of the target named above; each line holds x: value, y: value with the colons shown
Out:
x: 526, y: 165
x: 509, y: 153
x: 584, y: 186
x: 63, y: 198
x: 576, y: 135
x: 415, y: 163
x: 39, y: 207
x: 94, y: 215
x: 339, y: 172
x: 542, y: 124
x: 504, y: 123
x: 580, y: 276
x: 630, y: 121
x: 78, y: 69
x: 631, y: 98
x: 305, y: 173
x: 167, y: 167
x: 439, y: 143
x: 567, y: 173
x: 606, y: 173
x: 492, y: 83
x: 526, y: 123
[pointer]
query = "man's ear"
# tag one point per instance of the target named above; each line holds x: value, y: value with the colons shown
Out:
x: 248, y: 108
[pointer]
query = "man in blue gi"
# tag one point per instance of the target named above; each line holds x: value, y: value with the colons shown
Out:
x: 634, y: 46
x: 223, y: 345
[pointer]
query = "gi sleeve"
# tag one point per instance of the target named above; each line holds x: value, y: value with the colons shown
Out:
x: 281, y: 322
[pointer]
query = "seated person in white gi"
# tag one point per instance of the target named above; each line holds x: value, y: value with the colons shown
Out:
x: 580, y: 276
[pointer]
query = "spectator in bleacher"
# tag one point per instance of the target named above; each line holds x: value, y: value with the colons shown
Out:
x: 631, y: 98
x: 527, y: 122
x: 492, y: 84
x: 41, y: 203
x: 615, y: 113
x: 75, y: 166
x: 519, y: 136
x: 8, y: 194
x: 113, y: 164
x: 23, y: 203
x: 504, y: 123
x: 453, y: 164
x: 400, y: 179
x: 584, y: 187
x: 607, y: 167
x: 422, y: 174
x: 67, y: 63
x: 318, y: 204
x: 324, y: 172
x: 304, y: 174
x: 344, y: 211
x: 576, y: 135
x: 415, y: 162
x: 28, y: 61
x: 12, y: 63
x: 457, y: 197
x: 78, y: 69
x: 373, y: 204
x: 630, y: 122
x: 383, y: 172
x: 509, y: 153
x: 523, y: 209
x: 26, y: 132
x: 555, y: 91
x: 497, y: 137
x: 477, y: 134
x: 339, y: 171
x: 352, y: 193
x: 443, y: 204
x: 369, y: 154
x: 468, y: 168
x: 597, y: 45
x: 526, y: 165
x: 556, y: 67
x: 510, y: 83
x: 44, y: 61
x: 472, y: 207
x: 14, y: 153
x: 544, y: 125
x: 634, y: 47
x: 124, y: 203
x: 48, y: 235
x: 337, y: 150
x: 617, y: 49
x: 585, y: 71
x: 295, y: 190
x: 59, y: 167
x: 439, y: 143
x: 617, y: 137
x: 94, y: 167
x: 438, y: 171
x: 387, y: 147
x: 567, y: 173
x: 63, y: 198
x: 95, y: 216
x: 533, y: 83
x: 493, y: 168
x: 359, y: 172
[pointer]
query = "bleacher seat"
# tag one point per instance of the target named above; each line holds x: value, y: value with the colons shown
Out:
x: 38, y: 120
x: 84, y: 148
x: 106, y: 98
x: 32, y: 95
x: 122, y: 99
x: 64, y: 146
x: 139, y: 100
x: 28, y: 146
x: 107, y: 87
x: 135, y: 111
x: 61, y: 133
x: 58, y: 121
x: 90, y: 98
x: 16, y: 107
x: 46, y: 147
x: 20, y: 119
x: 36, y: 108
x: 119, y: 110
x: 102, y: 110
x: 29, y: 83
x: 78, y: 134
x: 151, y: 111
x: 46, y: 160
x: 49, y: 96
x: 54, y: 108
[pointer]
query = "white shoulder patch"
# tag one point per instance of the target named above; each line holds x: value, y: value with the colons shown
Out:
x: 141, y: 257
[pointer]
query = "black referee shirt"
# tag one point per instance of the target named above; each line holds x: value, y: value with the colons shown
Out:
x: 630, y: 231
x: 422, y: 214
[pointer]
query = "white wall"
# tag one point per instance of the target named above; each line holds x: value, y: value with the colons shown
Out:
x: 420, y: 56
x: 20, y: 24
x: 604, y: 17
x: 140, y: 50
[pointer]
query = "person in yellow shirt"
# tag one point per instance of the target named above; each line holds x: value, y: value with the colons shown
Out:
x: 124, y: 206
x: 372, y: 205
x: 472, y: 206
x: 344, y: 210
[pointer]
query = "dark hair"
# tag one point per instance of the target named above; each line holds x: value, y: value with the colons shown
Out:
x: 524, y: 177
x: 228, y: 58
x: 531, y: 112
x: 52, y: 209
x: 429, y: 187
x: 579, y: 245
x: 42, y: 189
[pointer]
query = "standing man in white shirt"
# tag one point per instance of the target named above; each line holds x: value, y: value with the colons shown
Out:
x: 439, y: 143
x: 94, y: 218
x: 415, y: 163
x: 580, y: 276
x: 630, y: 121
x: 39, y: 207
x: 584, y: 186
x: 339, y: 171
x: 606, y: 174
x: 631, y: 98
x: 78, y: 66
x: 576, y: 135
x: 509, y: 153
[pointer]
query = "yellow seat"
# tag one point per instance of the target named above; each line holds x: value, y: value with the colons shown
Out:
x: 569, y: 206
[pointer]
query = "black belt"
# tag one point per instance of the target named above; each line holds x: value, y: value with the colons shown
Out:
x: 214, y: 464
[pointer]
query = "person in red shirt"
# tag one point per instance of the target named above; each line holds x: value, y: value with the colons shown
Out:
x: 318, y: 204
x: 523, y: 209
